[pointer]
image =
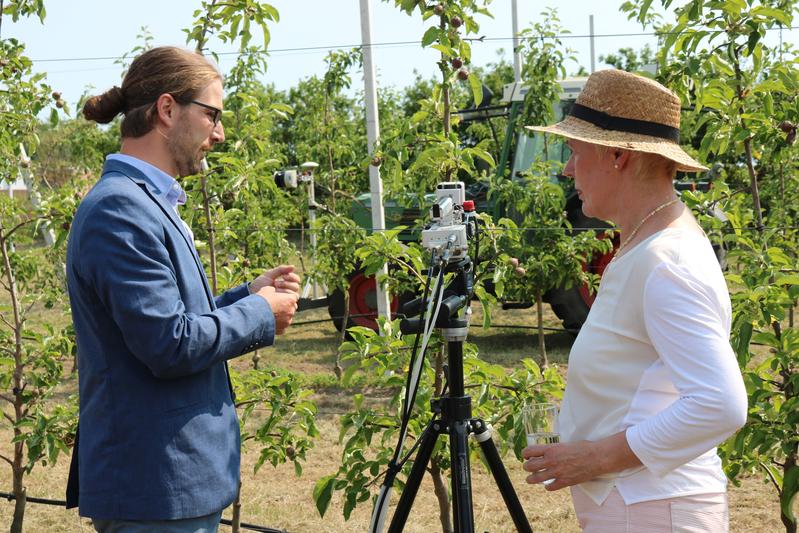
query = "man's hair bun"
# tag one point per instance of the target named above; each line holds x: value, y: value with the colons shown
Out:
x: 104, y: 107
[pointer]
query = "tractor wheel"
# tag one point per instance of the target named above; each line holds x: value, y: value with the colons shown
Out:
x: 571, y: 305
x: 363, y: 303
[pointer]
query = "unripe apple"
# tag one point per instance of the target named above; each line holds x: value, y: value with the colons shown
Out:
x: 463, y: 74
x: 439, y: 9
x: 456, y: 21
x: 59, y: 104
x: 786, y: 126
x: 56, y: 95
x: 456, y: 63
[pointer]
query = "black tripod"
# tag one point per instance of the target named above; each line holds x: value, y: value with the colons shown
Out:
x: 453, y: 417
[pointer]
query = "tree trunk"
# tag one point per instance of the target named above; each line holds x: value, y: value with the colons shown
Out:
x: 539, y: 307
x: 235, y: 521
x: 440, y: 489
x: 20, y: 495
x: 790, y: 463
x: 343, y: 335
x: 18, y: 471
x: 211, y: 236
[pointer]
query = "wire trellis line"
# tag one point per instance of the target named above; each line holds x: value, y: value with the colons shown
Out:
x: 322, y: 48
x: 253, y: 229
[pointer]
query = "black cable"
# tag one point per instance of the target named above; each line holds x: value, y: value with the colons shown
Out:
x: 32, y: 499
x: 62, y: 503
x: 253, y: 527
x: 394, y: 467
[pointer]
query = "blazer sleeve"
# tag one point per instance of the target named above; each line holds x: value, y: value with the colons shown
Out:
x: 125, y: 259
x: 232, y: 295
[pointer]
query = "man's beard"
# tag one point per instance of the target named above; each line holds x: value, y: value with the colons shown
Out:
x: 185, y: 152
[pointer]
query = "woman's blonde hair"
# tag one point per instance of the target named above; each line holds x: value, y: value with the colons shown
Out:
x: 163, y: 70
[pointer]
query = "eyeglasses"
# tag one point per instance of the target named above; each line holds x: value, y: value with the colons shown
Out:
x: 217, y: 112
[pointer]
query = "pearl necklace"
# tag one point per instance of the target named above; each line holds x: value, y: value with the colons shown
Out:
x: 634, y: 232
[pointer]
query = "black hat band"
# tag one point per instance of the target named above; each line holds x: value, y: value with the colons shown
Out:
x: 629, y: 125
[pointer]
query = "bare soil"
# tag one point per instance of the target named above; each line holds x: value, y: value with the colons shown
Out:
x: 276, y: 498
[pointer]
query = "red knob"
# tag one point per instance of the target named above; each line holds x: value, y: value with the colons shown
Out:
x: 468, y: 206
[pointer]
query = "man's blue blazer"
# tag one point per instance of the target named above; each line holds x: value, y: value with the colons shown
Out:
x: 159, y: 437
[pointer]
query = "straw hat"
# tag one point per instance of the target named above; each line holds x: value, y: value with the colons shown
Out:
x: 624, y: 110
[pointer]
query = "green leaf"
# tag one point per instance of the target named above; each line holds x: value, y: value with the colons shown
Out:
x: 430, y: 36
x: 788, y: 279
x: 323, y: 492
x: 444, y: 49
x: 54, y: 117
x: 790, y: 488
x: 466, y: 51
x: 477, y: 88
x: 771, y: 13
x: 754, y: 38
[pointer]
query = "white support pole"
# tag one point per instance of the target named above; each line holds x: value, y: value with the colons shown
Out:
x: 591, y: 33
x: 517, y: 55
x: 33, y: 195
x: 373, y: 135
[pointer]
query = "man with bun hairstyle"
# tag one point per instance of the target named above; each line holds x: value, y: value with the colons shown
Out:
x: 158, y: 447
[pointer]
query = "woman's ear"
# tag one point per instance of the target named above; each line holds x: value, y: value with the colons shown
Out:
x: 620, y: 158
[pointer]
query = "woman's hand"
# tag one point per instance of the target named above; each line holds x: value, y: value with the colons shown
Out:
x: 573, y: 463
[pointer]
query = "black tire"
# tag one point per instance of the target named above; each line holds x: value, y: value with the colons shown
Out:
x: 571, y: 305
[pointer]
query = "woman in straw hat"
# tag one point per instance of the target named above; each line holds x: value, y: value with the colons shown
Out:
x: 653, y: 385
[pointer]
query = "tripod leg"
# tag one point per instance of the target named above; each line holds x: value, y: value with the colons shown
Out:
x: 483, y: 435
x: 415, y: 477
x: 462, y: 511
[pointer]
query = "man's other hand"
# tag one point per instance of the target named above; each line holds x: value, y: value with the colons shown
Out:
x: 283, y: 304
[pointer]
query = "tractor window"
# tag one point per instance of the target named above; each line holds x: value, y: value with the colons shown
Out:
x: 531, y: 146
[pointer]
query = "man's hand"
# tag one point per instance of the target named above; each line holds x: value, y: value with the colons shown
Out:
x: 283, y: 304
x: 282, y: 278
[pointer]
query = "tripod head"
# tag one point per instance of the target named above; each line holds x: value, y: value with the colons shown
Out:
x: 455, y: 296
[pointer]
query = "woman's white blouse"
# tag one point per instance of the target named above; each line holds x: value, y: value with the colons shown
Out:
x: 654, y: 359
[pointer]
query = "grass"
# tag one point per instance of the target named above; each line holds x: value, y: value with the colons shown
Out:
x: 276, y: 498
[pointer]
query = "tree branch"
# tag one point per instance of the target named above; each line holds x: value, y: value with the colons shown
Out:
x: 3, y: 457
x: 771, y: 477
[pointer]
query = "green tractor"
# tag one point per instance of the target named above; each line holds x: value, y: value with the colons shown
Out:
x: 519, y: 150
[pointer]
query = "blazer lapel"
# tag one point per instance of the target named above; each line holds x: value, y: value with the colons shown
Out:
x: 141, y: 180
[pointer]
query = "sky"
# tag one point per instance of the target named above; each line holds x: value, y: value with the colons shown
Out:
x: 79, y: 38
